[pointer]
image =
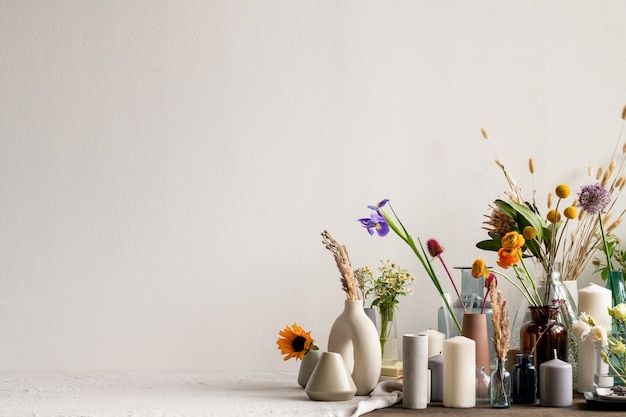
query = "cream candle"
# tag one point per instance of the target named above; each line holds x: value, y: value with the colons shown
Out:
x: 415, y: 372
x: 555, y: 383
x: 459, y: 372
x: 594, y: 300
x: 435, y: 365
x: 435, y: 341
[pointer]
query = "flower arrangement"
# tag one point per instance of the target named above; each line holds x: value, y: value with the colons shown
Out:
x: 381, y: 223
x: 613, y: 344
x: 294, y: 342
x: 385, y: 290
x: 510, y: 255
x: 548, y: 232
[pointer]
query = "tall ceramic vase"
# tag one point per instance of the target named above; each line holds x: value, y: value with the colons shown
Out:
x: 475, y: 328
x: 355, y: 337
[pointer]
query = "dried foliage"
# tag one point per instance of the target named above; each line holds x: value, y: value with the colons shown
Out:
x: 500, y: 321
x: 340, y: 254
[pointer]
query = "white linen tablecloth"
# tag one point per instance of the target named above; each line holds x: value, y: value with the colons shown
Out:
x: 175, y: 394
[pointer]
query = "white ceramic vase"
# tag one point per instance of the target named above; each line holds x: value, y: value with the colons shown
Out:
x: 330, y: 380
x: 355, y: 337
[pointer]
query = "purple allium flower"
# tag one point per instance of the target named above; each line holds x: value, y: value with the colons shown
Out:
x: 593, y: 198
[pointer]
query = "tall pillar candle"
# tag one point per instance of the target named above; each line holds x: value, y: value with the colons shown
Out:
x: 435, y: 365
x: 459, y: 372
x: 555, y: 383
x: 415, y: 371
x: 435, y: 341
x: 594, y: 300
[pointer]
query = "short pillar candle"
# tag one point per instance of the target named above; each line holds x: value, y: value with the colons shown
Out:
x: 435, y: 341
x: 555, y: 385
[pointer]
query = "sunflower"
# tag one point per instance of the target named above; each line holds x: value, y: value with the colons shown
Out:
x: 295, y: 342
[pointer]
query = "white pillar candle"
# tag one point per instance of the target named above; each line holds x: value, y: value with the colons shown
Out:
x: 459, y: 372
x: 435, y: 341
x: 415, y: 371
x: 595, y: 301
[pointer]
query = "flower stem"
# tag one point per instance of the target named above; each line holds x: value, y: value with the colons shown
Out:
x: 404, y: 235
x: 453, y: 284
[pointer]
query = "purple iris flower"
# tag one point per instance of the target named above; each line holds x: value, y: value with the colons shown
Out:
x: 376, y: 222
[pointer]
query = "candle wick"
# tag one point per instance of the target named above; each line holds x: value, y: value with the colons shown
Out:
x: 556, y: 356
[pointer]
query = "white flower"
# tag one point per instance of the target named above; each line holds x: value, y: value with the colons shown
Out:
x: 584, y: 317
x: 599, y: 334
x: 581, y: 329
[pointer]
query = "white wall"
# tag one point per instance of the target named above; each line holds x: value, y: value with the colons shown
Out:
x: 166, y: 167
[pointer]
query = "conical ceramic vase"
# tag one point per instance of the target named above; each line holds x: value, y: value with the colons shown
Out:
x: 330, y: 380
x: 307, y: 366
x: 475, y: 328
x: 354, y: 336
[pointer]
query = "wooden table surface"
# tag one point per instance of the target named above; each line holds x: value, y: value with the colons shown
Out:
x: 579, y: 408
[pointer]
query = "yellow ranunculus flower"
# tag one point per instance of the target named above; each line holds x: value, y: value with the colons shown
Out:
x: 513, y: 240
x: 618, y: 312
x: 530, y: 233
x: 618, y: 348
x: 562, y: 191
x: 479, y: 269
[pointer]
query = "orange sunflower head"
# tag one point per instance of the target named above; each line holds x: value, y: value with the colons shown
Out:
x: 294, y: 342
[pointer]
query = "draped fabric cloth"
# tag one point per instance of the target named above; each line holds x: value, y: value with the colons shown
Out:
x: 184, y: 394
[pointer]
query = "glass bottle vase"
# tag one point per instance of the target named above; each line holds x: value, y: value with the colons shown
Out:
x: 542, y: 335
x: 388, y: 334
x: 483, y: 394
x: 500, y: 385
x: 555, y: 293
x: 524, y: 380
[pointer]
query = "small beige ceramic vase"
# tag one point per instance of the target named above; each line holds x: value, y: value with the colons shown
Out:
x: 330, y: 380
x: 311, y: 358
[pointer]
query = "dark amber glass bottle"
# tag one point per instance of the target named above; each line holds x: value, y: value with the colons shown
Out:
x: 542, y: 335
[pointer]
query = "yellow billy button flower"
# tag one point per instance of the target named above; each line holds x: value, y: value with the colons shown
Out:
x: 530, y: 233
x: 553, y: 216
x: 562, y: 191
x: 570, y: 212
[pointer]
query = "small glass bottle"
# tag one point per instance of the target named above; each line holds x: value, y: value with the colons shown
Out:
x: 482, y: 386
x: 524, y: 380
x: 500, y: 385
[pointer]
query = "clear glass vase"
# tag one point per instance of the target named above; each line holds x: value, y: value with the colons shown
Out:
x: 388, y: 334
x: 483, y: 394
x: 554, y: 292
x: 500, y: 385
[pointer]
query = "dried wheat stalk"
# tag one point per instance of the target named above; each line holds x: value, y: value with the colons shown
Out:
x: 500, y: 321
x: 343, y: 264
